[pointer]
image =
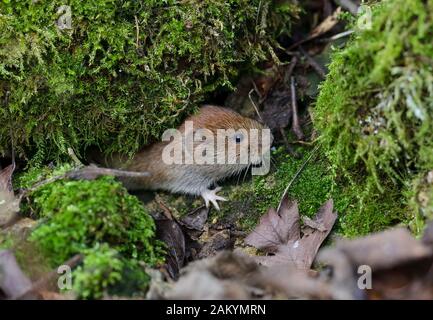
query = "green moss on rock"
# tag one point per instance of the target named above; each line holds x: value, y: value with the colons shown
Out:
x: 375, y: 112
x: 104, y: 271
x: 80, y: 214
x: 105, y: 224
x: 125, y: 71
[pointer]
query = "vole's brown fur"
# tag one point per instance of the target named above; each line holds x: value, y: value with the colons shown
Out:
x: 192, y: 179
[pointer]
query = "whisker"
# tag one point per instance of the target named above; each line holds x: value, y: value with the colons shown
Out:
x: 246, y: 172
x: 239, y: 173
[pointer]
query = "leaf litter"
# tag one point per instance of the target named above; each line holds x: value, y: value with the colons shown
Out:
x: 280, y: 233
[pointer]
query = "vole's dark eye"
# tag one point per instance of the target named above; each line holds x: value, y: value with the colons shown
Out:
x: 239, y: 137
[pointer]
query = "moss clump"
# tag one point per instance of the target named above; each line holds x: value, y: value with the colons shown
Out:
x: 105, y: 271
x: 125, y: 71
x: 80, y: 214
x: 101, y: 269
x: 100, y: 220
x: 375, y: 110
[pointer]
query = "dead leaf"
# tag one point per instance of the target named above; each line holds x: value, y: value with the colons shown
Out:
x: 234, y: 275
x: 274, y: 229
x: 264, y: 82
x: 218, y: 241
x: 157, y: 286
x: 276, y: 109
x: 281, y: 235
x: 399, y: 265
x: 382, y: 250
x: 217, y: 277
x: 13, y: 281
x: 202, y: 285
x: 48, y: 282
x: 196, y: 219
x: 171, y: 234
x: 291, y: 282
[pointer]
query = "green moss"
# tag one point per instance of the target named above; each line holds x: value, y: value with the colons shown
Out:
x: 101, y: 221
x: 375, y: 111
x: 126, y: 71
x: 311, y: 188
x: 105, y: 271
x: 101, y: 269
x: 369, y: 212
x: 80, y: 214
x: 28, y: 178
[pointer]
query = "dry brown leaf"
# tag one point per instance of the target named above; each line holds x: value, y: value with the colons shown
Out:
x: 400, y: 266
x: 196, y: 219
x: 382, y: 250
x: 13, y: 281
x: 234, y: 275
x: 281, y: 235
x: 275, y: 229
x: 219, y: 241
x: 172, y: 235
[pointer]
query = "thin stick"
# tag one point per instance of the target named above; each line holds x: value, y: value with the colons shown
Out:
x: 290, y: 69
x: 254, y: 105
x: 313, y: 63
x: 337, y: 36
x: 261, y: 98
x: 88, y: 173
x: 297, y: 174
x: 295, y: 118
x: 11, y: 133
x: 137, y: 31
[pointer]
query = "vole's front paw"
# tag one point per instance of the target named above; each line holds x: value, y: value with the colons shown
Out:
x: 211, y: 196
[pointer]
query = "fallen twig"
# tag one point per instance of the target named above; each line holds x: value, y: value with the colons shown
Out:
x: 325, y: 26
x: 295, y: 117
x: 337, y: 36
x: 254, y: 104
x: 313, y: 63
x: 88, y: 173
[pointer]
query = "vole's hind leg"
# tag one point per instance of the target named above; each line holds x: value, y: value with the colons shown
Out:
x: 211, y: 196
